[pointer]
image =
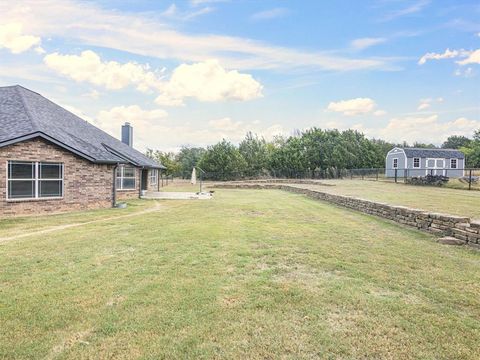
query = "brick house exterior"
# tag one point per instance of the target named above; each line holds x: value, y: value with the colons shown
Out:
x: 89, y: 165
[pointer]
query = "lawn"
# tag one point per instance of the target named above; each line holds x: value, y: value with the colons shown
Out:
x: 437, y: 199
x: 250, y: 274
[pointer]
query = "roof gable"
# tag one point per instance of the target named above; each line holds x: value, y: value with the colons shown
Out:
x: 433, y: 153
x: 25, y: 113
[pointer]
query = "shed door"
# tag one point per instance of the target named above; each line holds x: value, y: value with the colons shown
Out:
x: 436, y: 166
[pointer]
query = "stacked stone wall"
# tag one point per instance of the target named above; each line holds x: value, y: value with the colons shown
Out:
x: 459, y: 227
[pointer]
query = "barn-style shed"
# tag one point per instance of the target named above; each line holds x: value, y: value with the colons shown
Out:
x: 420, y: 162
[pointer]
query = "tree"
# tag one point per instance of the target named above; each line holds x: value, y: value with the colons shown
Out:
x: 424, y: 146
x: 167, y: 159
x: 188, y: 157
x: 472, y: 151
x: 223, y: 161
x: 255, y: 152
x: 456, y: 142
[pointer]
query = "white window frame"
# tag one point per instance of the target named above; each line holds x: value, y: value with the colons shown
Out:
x: 36, y: 179
x: 419, y: 162
x: 153, y: 176
x: 456, y: 163
x: 435, y: 166
x: 395, y: 163
x: 122, y: 177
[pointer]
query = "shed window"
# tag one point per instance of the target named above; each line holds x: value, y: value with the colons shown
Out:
x: 453, y: 163
x: 153, y: 177
x: 416, y: 162
x: 126, y: 179
x: 395, y: 163
x: 34, y: 180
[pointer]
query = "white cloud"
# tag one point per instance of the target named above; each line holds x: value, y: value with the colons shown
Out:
x: 412, y: 9
x: 13, y: 39
x: 171, y: 10
x: 448, y: 54
x: 424, y: 104
x: 146, y: 123
x: 90, y: 24
x: 93, y: 94
x: 203, y: 2
x: 363, y: 43
x: 174, y: 13
x: 153, y: 129
x: 423, y: 129
x: 208, y: 81
x: 88, y: 67
x: 270, y: 14
x: 379, y: 113
x: 357, y: 106
x: 473, y: 58
x: 467, y: 73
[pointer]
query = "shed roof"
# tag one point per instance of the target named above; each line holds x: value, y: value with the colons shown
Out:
x: 433, y: 153
x: 25, y: 114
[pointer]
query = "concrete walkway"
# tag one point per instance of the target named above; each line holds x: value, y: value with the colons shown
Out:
x: 166, y: 195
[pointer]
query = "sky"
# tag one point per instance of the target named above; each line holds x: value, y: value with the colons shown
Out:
x: 192, y: 72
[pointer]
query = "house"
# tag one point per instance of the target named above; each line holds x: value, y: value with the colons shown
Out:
x: 51, y: 160
x: 420, y: 162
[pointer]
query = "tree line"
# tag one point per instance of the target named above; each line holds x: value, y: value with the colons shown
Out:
x: 311, y: 153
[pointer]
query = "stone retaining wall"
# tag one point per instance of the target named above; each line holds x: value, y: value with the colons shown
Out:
x: 460, y: 227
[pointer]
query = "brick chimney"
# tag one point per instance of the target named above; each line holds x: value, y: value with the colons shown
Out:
x: 127, y: 134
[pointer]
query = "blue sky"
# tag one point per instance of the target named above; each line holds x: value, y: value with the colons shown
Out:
x: 196, y: 71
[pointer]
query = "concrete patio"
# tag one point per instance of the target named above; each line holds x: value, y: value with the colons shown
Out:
x: 166, y: 195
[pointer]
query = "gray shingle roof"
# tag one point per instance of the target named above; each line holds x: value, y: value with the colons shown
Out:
x: 24, y: 114
x: 433, y: 153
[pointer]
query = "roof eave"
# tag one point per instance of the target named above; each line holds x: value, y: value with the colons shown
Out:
x: 50, y: 139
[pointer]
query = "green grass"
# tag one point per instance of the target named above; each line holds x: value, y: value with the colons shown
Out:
x: 436, y: 199
x: 250, y: 274
x: 457, y: 184
x: 15, y: 225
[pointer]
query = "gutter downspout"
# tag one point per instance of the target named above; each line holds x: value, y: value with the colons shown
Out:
x: 114, y: 187
x: 141, y: 182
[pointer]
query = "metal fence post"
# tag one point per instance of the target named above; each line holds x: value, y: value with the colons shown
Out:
x: 377, y: 174
x: 396, y: 175
x: 470, y: 180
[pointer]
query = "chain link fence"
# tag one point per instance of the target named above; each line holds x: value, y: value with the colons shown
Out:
x: 453, y: 178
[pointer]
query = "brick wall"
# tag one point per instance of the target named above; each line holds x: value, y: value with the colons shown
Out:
x: 130, y: 194
x: 86, y: 185
x: 133, y: 194
x: 462, y: 228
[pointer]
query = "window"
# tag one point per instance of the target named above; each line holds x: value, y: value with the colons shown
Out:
x: 395, y: 163
x: 431, y: 163
x: 453, y: 163
x: 126, y: 178
x: 416, y: 162
x: 153, y: 177
x: 34, y: 180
